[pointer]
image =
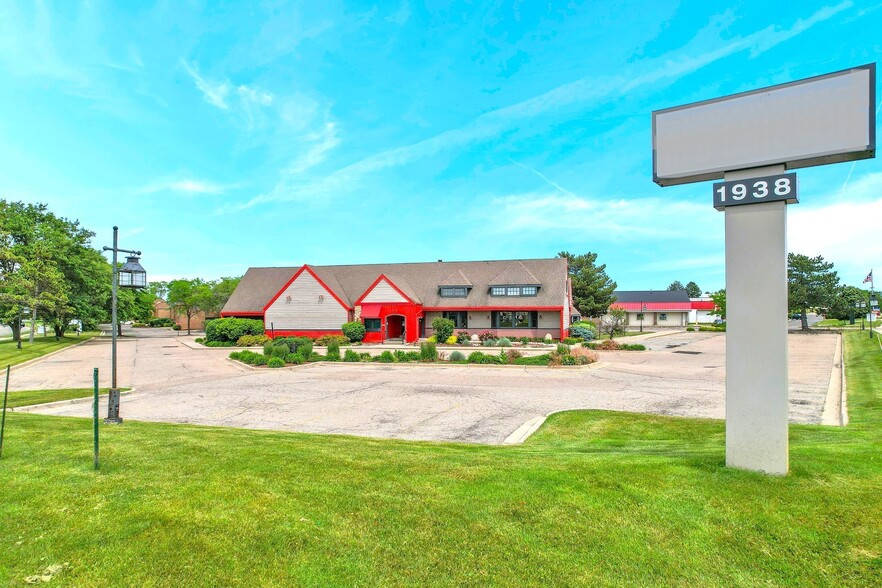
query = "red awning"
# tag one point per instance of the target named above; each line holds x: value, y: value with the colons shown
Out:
x: 370, y: 310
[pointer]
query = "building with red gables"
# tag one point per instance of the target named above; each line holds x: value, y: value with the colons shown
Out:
x: 513, y: 298
x: 662, y: 308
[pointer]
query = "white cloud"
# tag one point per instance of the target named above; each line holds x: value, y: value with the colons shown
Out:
x: 667, y: 67
x: 184, y: 185
x: 214, y: 93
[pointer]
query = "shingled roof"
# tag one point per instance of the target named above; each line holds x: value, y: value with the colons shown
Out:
x: 419, y: 281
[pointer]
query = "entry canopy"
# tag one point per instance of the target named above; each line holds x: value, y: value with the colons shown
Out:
x: 814, y: 121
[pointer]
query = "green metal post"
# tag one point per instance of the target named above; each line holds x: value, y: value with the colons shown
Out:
x: 3, y: 418
x: 95, y: 416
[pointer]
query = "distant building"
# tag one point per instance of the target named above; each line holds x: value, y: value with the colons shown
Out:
x: 513, y: 298
x: 661, y: 308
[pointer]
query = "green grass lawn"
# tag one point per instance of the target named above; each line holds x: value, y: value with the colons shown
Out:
x: 29, y: 397
x: 11, y: 355
x: 847, y: 323
x: 594, y: 498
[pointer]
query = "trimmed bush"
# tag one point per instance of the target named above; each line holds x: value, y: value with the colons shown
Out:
x: 249, y: 357
x: 326, y: 340
x: 632, y: 347
x: 432, y: 339
x: 304, y: 348
x: 251, y: 340
x: 351, y: 356
x: 690, y: 329
x: 160, y: 322
x: 428, y: 351
x: 503, y: 342
x: 218, y: 344
x: 488, y: 342
x: 572, y: 340
x: 230, y: 329
x: 385, y: 357
x: 443, y: 328
x: 452, y: 340
x: 354, y: 331
x: 275, y: 362
x: 534, y: 360
x: 463, y: 337
x: 199, y: 339
x: 176, y: 327
x: 457, y: 356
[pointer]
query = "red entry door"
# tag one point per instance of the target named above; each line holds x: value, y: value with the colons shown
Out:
x: 394, y: 326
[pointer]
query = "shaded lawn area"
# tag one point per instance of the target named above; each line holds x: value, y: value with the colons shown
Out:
x: 594, y: 498
x: 11, y: 355
x: 29, y: 397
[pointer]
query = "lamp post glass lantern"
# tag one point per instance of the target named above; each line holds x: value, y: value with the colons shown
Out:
x: 130, y: 275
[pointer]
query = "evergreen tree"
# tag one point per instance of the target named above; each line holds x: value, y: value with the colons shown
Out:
x: 592, y: 288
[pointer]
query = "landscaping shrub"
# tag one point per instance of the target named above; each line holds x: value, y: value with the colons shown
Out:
x: 160, y: 322
x: 199, y: 339
x: 326, y: 340
x: 332, y: 356
x: 690, y: 329
x: 524, y: 340
x: 139, y: 325
x: 443, y: 328
x: 333, y: 347
x: 303, y: 348
x: 275, y: 362
x: 572, y: 340
x: 514, y: 354
x: 218, y: 344
x: 457, y: 356
x: 555, y: 359
x: 485, y: 335
x: 503, y: 342
x: 478, y: 357
x: 365, y: 356
x: 249, y: 357
x: 534, y: 360
x: 351, y: 356
x: 354, y: 331
x: 713, y: 328
x: 568, y: 360
x: 432, y: 339
x: 385, y: 357
x: 583, y: 355
x: 251, y: 340
x: 176, y: 327
x: 584, y: 330
x: 608, y: 345
x: 276, y: 349
x: 563, y: 349
x: 452, y: 340
x: 463, y: 337
x: 488, y: 342
x: 428, y: 351
x: 632, y: 347
x: 230, y: 329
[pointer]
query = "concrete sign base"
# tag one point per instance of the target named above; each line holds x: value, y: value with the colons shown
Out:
x: 756, y: 333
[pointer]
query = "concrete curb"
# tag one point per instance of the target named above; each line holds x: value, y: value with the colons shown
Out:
x: 56, y: 352
x: 832, y: 414
x: 524, y: 432
x: 32, y: 407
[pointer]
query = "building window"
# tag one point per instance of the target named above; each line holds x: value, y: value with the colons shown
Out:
x: 520, y: 319
x: 514, y: 290
x: 639, y: 316
x: 372, y: 325
x: 662, y: 316
x: 454, y: 292
x: 460, y: 318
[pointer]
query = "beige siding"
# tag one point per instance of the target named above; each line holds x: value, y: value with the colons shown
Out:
x: 384, y: 292
x: 305, y: 304
x: 674, y: 319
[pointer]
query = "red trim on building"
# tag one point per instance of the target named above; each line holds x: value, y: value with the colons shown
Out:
x: 485, y: 308
x: 317, y: 279
x: 233, y: 313
x: 377, y: 281
x: 311, y: 333
x: 703, y: 305
x: 655, y: 306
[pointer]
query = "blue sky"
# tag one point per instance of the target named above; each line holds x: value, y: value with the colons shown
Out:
x: 220, y: 136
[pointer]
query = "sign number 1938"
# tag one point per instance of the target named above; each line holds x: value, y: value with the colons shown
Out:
x: 755, y: 190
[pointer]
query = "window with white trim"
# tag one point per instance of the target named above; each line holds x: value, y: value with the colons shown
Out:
x: 662, y: 316
x: 454, y: 292
x: 514, y: 290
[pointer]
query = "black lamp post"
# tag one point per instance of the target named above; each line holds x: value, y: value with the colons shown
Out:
x: 130, y: 275
x: 642, y: 312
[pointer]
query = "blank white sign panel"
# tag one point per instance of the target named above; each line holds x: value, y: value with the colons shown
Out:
x: 826, y: 119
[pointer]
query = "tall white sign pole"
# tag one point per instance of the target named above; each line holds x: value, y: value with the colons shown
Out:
x: 756, y: 332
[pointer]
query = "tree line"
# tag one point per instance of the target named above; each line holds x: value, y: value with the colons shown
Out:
x: 50, y: 272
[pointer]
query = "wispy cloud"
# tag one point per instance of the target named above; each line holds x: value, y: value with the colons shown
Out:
x: 186, y: 186
x: 689, y: 58
x: 214, y: 93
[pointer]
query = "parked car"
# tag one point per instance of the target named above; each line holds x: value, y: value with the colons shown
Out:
x: 719, y: 321
x: 797, y: 316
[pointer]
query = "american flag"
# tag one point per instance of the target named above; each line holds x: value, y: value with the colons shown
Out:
x: 869, y: 277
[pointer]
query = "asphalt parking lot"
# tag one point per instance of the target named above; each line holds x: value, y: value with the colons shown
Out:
x: 682, y: 374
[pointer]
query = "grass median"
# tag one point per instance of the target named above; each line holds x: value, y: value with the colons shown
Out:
x: 10, y: 354
x: 31, y: 397
x: 594, y: 498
